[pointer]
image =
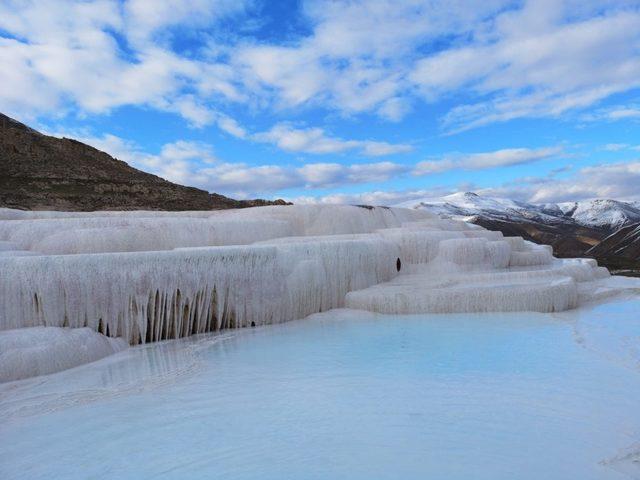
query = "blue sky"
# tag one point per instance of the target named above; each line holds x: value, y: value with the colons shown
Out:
x: 343, y: 101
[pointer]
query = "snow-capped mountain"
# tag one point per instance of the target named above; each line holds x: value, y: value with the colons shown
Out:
x: 604, y: 229
x: 601, y: 213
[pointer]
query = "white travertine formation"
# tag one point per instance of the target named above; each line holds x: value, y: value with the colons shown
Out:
x: 147, y: 276
x: 194, y: 277
x: 28, y: 352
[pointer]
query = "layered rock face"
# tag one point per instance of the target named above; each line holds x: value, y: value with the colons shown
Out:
x: 40, y: 172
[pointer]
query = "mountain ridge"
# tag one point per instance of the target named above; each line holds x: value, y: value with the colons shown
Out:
x: 604, y: 229
x: 604, y: 213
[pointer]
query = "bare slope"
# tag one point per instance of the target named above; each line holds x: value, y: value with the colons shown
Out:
x: 40, y: 172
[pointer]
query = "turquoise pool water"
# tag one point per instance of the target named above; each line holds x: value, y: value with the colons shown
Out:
x: 346, y: 394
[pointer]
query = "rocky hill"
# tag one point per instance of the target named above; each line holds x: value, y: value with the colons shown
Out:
x: 620, y: 250
x: 607, y: 230
x: 39, y: 172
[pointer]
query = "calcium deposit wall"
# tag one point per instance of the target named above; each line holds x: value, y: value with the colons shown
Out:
x: 147, y: 276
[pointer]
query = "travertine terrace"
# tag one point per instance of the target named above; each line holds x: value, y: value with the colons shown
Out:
x: 149, y: 276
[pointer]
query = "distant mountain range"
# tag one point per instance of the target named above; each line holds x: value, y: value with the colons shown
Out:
x: 39, y: 172
x: 607, y: 230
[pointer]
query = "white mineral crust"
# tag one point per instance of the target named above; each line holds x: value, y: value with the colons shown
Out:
x: 149, y: 276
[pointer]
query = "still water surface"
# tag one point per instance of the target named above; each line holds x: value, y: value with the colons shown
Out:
x: 346, y: 395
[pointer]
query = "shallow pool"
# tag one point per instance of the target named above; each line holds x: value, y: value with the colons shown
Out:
x: 346, y: 395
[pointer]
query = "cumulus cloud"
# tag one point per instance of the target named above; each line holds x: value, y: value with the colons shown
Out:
x: 529, y: 59
x: 613, y: 114
x: 612, y: 180
x: 376, y: 197
x: 232, y: 127
x: 332, y: 174
x: 542, y: 60
x: 311, y: 140
x: 359, y: 53
x: 96, y: 56
x: 182, y: 162
x: 315, y: 140
x: 608, y: 180
x: 261, y: 179
x: 144, y: 19
x: 195, y: 164
x: 617, y: 181
x: 479, y: 161
x: 623, y: 113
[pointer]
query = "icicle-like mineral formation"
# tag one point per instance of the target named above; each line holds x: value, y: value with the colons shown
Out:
x: 148, y: 276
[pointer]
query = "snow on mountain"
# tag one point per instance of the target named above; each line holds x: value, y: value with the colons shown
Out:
x: 601, y: 213
x: 468, y: 204
x: 468, y: 201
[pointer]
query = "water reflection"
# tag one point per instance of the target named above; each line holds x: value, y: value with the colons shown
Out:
x: 135, y: 370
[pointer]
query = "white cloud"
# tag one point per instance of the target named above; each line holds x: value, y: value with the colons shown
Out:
x: 542, y: 60
x: 620, y: 147
x: 378, y: 149
x: 435, y: 166
x: 377, y: 197
x: 315, y: 140
x: 144, y: 18
x: 195, y: 164
x: 613, y: 180
x: 536, y: 58
x: 182, y: 162
x: 231, y: 126
x: 394, y: 109
x: 264, y: 179
x: 311, y: 140
x: 95, y: 56
x: 479, y: 161
x: 249, y: 180
x: 197, y: 114
x: 359, y: 54
x: 617, y: 181
x: 613, y: 114
x: 623, y: 113
x: 333, y: 174
x: 615, y: 147
x: 234, y: 177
